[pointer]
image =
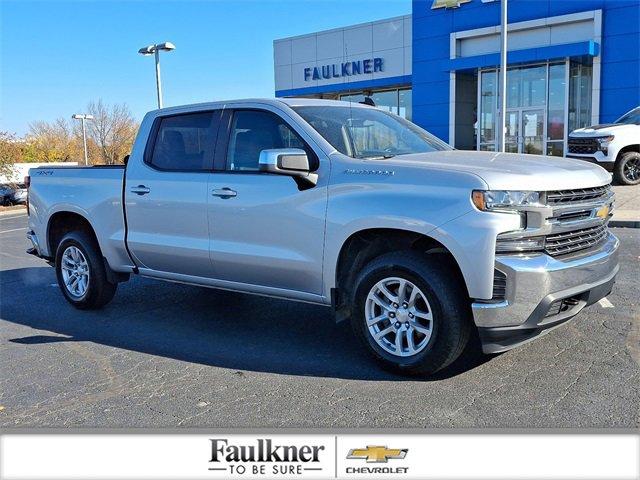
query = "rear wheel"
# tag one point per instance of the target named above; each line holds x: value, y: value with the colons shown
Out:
x: 81, y: 272
x: 411, y: 312
x: 627, y: 169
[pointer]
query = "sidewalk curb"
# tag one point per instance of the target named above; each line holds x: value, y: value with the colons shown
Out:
x: 624, y: 223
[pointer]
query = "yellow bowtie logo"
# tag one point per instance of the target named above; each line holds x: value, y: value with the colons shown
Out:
x: 603, y: 212
x: 377, y: 454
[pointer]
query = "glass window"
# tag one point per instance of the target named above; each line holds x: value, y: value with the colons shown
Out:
x: 352, y: 97
x: 387, y: 101
x: 580, y: 77
x: 555, y: 149
x: 557, y: 96
x: 533, y: 87
x: 364, y: 132
x: 488, y: 90
x: 253, y: 131
x: 185, y: 142
x: 405, y: 103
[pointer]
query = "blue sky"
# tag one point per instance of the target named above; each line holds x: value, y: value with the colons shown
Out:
x: 57, y: 56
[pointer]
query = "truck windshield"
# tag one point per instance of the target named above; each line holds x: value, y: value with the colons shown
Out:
x: 361, y: 132
x: 631, y: 118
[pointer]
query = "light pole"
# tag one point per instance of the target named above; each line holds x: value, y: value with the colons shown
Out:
x: 503, y: 73
x: 155, y: 50
x: 83, y: 117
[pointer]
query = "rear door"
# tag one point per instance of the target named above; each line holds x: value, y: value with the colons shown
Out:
x: 265, y: 229
x: 166, y: 195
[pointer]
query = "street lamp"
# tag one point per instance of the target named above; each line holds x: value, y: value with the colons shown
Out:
x: 155, y: 50
x: 83, y: 117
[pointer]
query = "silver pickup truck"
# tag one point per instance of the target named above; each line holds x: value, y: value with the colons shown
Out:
x: 420, y: 246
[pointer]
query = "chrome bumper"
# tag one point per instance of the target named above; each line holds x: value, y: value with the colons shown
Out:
x: 536, y: 286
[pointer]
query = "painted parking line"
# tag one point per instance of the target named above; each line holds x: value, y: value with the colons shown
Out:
x: 11, y: 217
x: 13, y: 230
x: 605, y: 303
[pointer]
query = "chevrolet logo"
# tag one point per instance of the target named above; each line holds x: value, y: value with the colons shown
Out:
x: 447, y: 3
x: 603, y: 212
x: 377, y: 454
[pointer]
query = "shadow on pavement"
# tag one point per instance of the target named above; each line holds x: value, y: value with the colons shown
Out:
x: 199, y: 325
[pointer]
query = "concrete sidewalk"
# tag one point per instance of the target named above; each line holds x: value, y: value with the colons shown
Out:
x: 627, y: 207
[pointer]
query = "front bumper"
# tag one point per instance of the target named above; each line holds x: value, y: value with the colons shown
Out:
x: 543, y: 292
x: 602, y: 161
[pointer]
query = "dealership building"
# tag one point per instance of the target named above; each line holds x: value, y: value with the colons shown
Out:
x: 570, y: 64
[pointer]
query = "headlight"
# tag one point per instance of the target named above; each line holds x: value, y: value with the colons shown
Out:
x: 603, y: 142
x: 492, y: 200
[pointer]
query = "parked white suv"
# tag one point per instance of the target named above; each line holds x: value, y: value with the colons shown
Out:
x: 614, y: 146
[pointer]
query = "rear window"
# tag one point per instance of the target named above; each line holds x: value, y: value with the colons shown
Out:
x: 186, y: 142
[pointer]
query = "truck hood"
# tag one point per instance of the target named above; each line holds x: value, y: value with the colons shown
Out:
x: 512, y: 171
x: 603, y: 130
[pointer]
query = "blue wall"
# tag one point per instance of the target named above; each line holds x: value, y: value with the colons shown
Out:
x: 620, y: 51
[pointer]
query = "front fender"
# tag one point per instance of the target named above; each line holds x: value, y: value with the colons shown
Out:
x: 430, y: 202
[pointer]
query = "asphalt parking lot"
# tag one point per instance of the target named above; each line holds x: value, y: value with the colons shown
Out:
x: 169, y: 355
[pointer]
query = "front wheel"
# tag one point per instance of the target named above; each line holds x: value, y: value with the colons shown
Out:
x: 81, y: 272
x: 627, y: 169
x: 411, y: 312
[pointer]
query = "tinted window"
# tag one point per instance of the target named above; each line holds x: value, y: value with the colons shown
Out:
x: 253, y: 131
x: 186, y: 142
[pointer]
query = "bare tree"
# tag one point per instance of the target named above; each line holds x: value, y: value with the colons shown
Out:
x: 113, y: 130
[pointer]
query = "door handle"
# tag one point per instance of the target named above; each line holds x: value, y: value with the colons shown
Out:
x: 225, y: 192
x: 140, y: 190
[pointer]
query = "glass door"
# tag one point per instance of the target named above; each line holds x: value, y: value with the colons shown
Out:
x: 512, y: 132
x: 536, y: 119
x: 532, y: 127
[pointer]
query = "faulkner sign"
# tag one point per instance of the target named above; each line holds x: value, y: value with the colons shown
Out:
x: 344, y: 69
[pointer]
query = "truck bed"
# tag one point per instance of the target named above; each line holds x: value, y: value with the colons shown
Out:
x: 95, y: 192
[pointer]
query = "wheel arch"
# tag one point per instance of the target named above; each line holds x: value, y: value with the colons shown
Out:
x: 364, y: 245
x: 64, y: 221
x: 628, y: 148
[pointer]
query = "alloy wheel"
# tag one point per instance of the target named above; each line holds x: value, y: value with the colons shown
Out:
x: 399, y: 317
x: 75, y: 272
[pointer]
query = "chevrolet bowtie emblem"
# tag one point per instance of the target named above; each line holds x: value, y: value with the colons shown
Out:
x: 377, y: 454
x: 603, y: 212
x: 448, y: 3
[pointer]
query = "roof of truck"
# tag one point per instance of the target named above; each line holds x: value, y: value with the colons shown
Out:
x: 292, y: 102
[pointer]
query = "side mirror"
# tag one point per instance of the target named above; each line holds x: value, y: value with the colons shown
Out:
x: 125, y: 160
x: 288, y: 161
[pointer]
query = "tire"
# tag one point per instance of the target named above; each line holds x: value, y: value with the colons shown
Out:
x: 98, y: 291
x: 445, y: 297
x: 627, y: 169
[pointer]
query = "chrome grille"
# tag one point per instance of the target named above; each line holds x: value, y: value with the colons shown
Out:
x: 578, y: 195
x: 576, y: 240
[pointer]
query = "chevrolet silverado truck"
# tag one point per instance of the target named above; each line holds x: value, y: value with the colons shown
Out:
x: 613, y: 146
x: 418, y: 245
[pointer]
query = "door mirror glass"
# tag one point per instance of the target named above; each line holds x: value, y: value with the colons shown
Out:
x: 287, y: 161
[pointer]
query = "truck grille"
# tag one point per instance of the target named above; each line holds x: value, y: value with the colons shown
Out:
x: 583, y: 145
x: 569, y: 242
x: 561, y: 197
